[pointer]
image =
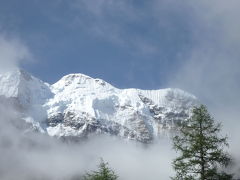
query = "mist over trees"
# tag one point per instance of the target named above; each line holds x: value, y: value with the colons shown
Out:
x: 104, y: 173
x: 201, y: 149
x: 28, y: 155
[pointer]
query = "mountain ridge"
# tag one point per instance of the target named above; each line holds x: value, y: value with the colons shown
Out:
x: 78, y: 105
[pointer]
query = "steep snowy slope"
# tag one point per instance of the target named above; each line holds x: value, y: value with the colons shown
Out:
x: 26, y: 89
x: 78, y: 105
x: 27, y: 95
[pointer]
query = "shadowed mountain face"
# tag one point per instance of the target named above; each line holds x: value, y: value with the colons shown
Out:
x: 78, y: 105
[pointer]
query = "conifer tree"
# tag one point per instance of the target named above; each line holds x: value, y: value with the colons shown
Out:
x: 201, y: 149
x: 103, y: 173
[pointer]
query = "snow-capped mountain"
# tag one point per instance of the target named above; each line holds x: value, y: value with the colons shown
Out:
x: 78, y: 105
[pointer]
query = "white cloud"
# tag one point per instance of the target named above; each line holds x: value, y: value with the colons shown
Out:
x: 13, y: 52
x: 117, y: 22
x: 211, y: 68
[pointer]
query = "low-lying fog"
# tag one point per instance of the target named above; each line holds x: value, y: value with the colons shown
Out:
x: 30, y: 156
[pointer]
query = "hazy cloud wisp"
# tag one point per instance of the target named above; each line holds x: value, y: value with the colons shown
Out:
x: 13, y: 52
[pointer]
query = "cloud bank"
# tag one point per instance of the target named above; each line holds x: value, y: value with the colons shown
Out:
x: 30, y: 156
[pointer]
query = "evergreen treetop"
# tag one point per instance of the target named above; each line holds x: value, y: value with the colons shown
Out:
x: 201, y: 149
x: 103, y: 173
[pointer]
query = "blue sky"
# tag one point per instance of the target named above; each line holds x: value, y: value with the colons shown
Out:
x: 128, y: 43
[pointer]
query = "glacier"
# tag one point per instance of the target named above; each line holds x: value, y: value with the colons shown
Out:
x: 78, y: 105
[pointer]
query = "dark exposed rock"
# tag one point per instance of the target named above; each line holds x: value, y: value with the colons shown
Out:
x: 164, y: 118
x: 55, y: 120
x: 89, y: 126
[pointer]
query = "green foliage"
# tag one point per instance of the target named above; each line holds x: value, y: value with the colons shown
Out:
x: 103, y: 173
x: 201, y: 149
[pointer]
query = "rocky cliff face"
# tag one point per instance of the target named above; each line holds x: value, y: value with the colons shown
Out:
x: 78, y: 105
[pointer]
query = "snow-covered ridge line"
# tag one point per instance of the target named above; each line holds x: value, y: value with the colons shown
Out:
x: 78, y: 105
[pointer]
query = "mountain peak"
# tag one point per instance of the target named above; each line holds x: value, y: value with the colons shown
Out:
x: 25, y: 75
x: 19, y: 84
x: 80, y: 82
x: 76, y: 76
